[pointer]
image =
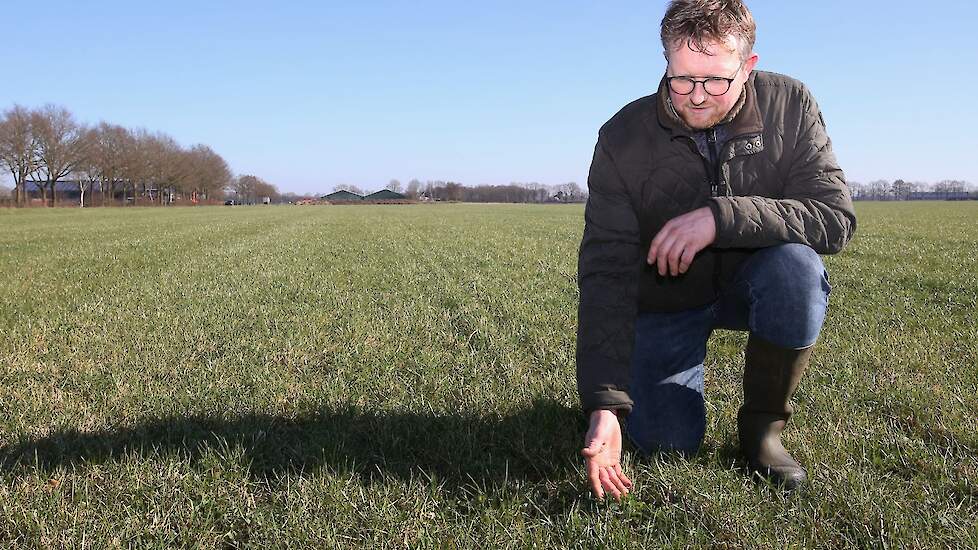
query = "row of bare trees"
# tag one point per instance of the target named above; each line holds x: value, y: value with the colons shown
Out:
x: 513, y: 192
x: 248, y: 189
x: 48, y: 145
x: 901, y: 190
x: 452, y: 191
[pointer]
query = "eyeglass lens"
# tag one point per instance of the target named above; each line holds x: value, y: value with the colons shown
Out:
x: 712, y: 86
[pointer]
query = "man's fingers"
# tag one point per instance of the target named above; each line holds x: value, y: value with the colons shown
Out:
x: 617, y: 481
x: 608, y: 484
x: 596, y: 489
x: 687, y: 258
x: 677, y: 251
x: 593, y: 475
x: 622, y: 476
x: 594, y: 479
x: 680, y: 239
x: 665, y: 255
x: 662, y: 255
x: 657, y: 242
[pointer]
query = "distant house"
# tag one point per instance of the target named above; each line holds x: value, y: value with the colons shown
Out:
x: 66, y: 190
x: 342, y: 196
x: 385, y: 195
x: 564, y: 197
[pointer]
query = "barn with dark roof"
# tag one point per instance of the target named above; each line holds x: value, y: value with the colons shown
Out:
x: 384, y: 195
x: 342, y: 196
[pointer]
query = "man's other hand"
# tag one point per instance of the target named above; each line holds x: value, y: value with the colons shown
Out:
x: 680, y: 239
x: 602, y: 456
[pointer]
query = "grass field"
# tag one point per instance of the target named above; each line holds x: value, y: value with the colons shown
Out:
x: 404, y: 376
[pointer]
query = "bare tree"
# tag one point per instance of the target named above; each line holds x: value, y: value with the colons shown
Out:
x: 244, y: 188
x: 18, y: 148
x: 394, y: 186
x: 157, y: 165
x: 61, y: 145
x: 170, y: 167
x: 413, y: 189
x: 573, y: 191
x: 209, y: 173
x: 137, y: 155
x: 453, y: 191
x: 252, y: 189
x: 902, y: 190
x: 950, y: 186
x: 110, y: 145
x: 88, y: 171
x: 265, y: 190
x: 879, y: 189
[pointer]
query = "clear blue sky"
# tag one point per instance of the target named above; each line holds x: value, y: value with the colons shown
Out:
x: 309, y: 95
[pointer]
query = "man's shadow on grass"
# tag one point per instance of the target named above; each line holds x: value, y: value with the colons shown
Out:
x: 535, y: 444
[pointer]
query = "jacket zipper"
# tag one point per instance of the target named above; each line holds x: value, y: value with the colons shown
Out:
x: 713, y: 172
x: 711, y: 140
x: 717, y: 189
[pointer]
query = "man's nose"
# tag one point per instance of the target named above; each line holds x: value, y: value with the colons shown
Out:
x: 698, y: 96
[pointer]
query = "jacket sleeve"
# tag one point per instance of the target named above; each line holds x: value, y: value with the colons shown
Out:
x: 608, y: 270
x: 816, y: 208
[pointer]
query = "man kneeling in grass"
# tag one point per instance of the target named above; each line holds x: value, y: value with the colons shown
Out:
x: 710, y: 202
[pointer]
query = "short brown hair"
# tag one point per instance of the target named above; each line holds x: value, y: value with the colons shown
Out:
x: 698, y: 22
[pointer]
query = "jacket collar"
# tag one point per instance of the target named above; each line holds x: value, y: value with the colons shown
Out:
x: 746, y: 121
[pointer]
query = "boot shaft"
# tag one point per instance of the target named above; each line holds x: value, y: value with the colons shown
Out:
x: 771, y: 376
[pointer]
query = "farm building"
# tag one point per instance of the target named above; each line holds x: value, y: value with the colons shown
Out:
x: 384, y: 195
x: 68, y: 190
x: 342, y: 196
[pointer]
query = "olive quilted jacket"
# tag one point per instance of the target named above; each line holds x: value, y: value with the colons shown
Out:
x: 775, y: 180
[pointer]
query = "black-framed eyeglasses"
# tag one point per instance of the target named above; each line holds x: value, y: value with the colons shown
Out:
x: 714, y: 85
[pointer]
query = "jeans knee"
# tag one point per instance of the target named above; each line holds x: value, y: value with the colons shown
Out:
x: 795, y: 271
x: 790, y: 288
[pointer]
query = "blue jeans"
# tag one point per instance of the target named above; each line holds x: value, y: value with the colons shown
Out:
x: 779, y: 294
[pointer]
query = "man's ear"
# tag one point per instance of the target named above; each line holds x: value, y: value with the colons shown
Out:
x: 750, y: 63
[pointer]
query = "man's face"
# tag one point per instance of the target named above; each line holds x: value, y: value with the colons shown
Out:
x: 699, y: 109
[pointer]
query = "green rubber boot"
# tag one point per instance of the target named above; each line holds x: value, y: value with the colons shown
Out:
x: 771, y: 375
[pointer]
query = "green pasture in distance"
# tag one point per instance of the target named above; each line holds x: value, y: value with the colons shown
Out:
x: 390, y: 376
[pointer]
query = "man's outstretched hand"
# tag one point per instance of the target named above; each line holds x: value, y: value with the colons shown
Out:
x: 602, y: 456
x: 680, y: 239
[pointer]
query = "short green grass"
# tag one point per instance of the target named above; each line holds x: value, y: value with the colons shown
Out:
x: 403, y: 376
